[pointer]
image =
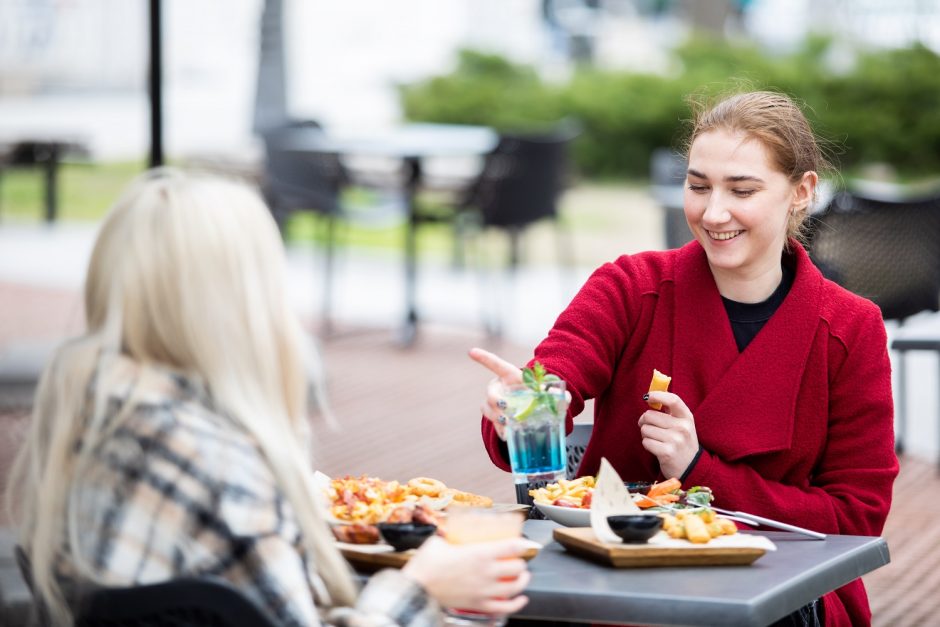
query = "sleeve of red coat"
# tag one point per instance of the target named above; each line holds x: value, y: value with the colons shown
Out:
x: 850, y: 492
x: 585, y: 341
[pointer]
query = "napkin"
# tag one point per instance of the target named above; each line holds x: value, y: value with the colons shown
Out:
x: 611, y: 498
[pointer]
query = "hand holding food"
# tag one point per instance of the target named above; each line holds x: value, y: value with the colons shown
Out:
x: 660, y: 383
x: 668, y: 431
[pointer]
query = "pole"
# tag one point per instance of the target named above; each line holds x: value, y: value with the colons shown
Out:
x: 156, y: 85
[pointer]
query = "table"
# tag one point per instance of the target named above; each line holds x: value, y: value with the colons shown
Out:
x: 571, y: 588
x: 411, y: 143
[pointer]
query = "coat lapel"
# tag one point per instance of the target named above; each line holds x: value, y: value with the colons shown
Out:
x: 744, y: 403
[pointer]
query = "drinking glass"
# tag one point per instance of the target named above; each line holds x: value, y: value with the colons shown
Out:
x: 467, y: 525
x: 535, y: 431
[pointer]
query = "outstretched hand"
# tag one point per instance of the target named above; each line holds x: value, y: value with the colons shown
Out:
x: 506, y: 374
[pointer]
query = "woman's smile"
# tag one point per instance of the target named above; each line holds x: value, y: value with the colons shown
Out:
x: 723, y: 236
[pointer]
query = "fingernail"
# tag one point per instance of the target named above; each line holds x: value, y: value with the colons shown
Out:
x: 646, y: 397
x: 501, y: 404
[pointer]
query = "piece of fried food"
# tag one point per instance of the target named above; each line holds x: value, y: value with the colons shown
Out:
x: 356, y: 533
x: 660, y: 383
x: 469, y: 499
x: 425, y: 486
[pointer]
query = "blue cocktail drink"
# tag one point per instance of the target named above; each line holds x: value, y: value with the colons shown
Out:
x: 535, y: 431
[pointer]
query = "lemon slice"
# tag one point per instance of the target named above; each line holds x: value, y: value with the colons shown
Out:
x: 526, y: 411
x: 520, y: 405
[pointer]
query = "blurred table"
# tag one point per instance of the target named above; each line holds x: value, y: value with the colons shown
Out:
x: 410, y: 143
x: 41, y: 152
x: 571, y: 588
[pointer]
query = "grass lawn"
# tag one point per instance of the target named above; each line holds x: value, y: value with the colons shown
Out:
x: 604, y: 219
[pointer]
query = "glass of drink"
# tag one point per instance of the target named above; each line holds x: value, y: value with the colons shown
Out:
x: 535, y: 430
x: 467, y: 525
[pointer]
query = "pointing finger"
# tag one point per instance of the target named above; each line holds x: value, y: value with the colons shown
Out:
x: 507, y: 372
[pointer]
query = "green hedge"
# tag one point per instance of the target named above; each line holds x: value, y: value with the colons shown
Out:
x: 884, y: 107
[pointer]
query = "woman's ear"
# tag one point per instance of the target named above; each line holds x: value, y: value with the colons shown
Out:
x: 805, y: 191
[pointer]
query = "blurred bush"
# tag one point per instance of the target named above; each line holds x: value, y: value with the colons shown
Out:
x: 872, y: 106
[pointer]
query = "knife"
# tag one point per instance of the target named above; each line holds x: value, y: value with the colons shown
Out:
x: 768, y: 522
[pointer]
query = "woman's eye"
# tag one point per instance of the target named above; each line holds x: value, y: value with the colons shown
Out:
x: 742, y: 193
x: 698, y: 189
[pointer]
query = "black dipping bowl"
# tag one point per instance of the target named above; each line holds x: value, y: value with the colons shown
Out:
x: 638, y: 487
x: 404, y: 536
x: 635, y: 527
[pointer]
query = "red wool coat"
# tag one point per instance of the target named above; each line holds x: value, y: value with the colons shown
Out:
x: 798, y: 427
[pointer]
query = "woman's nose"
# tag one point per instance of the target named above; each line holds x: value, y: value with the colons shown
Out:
x: 715, y: 211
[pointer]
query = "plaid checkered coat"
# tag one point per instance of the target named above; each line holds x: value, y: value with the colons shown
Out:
x: 177, y: 489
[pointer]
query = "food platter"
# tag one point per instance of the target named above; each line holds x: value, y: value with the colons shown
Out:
x: 736, y: 550
x: 567, y: 516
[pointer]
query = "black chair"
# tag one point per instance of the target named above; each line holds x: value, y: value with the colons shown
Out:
x: 887, y: 251
x: 520, y: 183
x: 575, y: 444
x: 183, y: 602
x: 305, y: 181
x: 667, y: 185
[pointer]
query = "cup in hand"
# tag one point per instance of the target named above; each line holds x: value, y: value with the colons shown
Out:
x: 467, y: 525
x: 535, y: 431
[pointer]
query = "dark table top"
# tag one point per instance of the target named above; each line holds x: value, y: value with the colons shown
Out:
x: 568, y: 587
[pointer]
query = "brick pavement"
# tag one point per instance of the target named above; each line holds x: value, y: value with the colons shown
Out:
x: 404, y: 412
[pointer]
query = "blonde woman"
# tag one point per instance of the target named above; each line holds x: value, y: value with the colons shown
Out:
x: 168, y: 440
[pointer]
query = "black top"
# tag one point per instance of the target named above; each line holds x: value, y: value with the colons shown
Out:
x: 747, y: 319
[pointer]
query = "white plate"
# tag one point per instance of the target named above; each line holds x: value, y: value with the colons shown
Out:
x: 567, y: 516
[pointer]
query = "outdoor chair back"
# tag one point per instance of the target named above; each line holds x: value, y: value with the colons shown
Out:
x: 305, y: 181
x: 300, y: 180
x: 184, y: 602
x: 521, y: 182
x: 667, y: 185
x: 887, y: 251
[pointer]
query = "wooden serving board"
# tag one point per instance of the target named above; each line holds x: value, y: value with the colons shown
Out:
x: 581, y: 540
x: 369, y: 558
x: 370, y: 561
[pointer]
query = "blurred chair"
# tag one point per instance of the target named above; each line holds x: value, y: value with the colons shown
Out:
x: 520, y: 183
x: 187, y: 602
x: 887, y: 251
x: 575, y: 444
x: 183, y: 602
x: 667, y: 185
x: 305, y: 181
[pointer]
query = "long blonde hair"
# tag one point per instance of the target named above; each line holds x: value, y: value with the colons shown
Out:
x: 188, y: 272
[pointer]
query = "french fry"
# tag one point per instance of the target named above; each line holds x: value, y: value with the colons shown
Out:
x: 695, y: 529
x: 573, y: 490
x: 728, y: 527
x: 660, y: 383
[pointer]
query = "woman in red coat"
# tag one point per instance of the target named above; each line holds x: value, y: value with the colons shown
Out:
x: 781, y: 384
